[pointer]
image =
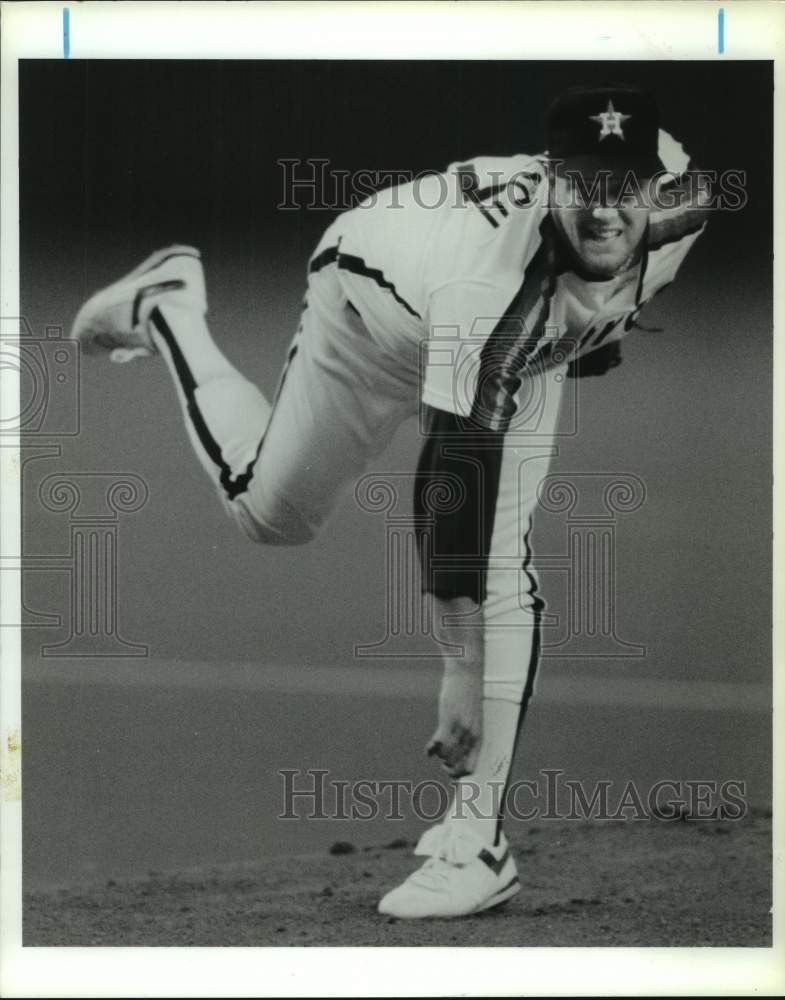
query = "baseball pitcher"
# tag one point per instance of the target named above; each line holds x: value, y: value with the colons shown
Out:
x: 459, y: 297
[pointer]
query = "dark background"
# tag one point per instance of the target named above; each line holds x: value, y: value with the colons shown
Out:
x: 120, y: 157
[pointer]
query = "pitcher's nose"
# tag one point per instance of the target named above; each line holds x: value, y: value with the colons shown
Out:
x: 605, y: 213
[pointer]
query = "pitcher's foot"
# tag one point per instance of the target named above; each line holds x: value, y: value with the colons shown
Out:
x: 462, y: 875
x: 115, y: 319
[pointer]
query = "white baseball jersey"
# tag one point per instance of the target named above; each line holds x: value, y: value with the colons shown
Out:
x: 454, y: 273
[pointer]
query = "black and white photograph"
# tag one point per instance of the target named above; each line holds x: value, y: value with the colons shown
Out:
x: 394, y: 442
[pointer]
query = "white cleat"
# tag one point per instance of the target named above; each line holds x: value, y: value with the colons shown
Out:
x: 115, y: 319
x: 462, y: 875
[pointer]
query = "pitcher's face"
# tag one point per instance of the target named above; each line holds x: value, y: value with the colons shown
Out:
x: 605, y: 233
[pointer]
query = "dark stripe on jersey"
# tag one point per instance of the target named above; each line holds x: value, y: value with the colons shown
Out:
x: 511, y: 346
x: 491, y: 191
x: 232, y: 486
x: 469, y: 184
x: 349, y: 262
x: 644, y: 263
x: 597, y: 343
x: 538, y: 605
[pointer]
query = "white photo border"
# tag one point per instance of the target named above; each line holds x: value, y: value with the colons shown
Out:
x: 546, y: 30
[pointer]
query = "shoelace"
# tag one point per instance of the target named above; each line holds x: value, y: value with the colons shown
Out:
x: 447, y: 848
x: 435, y: 874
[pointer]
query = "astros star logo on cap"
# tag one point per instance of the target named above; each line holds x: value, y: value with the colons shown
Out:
x: 611, y: 121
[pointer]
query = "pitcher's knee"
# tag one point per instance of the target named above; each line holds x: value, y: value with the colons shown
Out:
x: 283, y: 526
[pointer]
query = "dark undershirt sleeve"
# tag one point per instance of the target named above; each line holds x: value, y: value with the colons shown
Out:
x: 597, y: 362
x: 456, y: 488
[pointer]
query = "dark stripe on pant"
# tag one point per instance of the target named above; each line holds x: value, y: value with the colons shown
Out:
x: 328, y: 256
x: 348, y: 262
x: 356, y: 265
x: 538, y: 605
x: 232, y: 486
x: 147, y: 290
x: 279, y: 389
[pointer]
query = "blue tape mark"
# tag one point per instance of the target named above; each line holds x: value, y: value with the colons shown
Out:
x: 66, y: 33
x: 721, y: 30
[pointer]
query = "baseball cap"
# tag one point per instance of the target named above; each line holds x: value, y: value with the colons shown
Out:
x: 613, y: 127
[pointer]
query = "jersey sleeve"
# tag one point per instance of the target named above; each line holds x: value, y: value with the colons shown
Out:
x: 683, y: 196
x: 456, y: 487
